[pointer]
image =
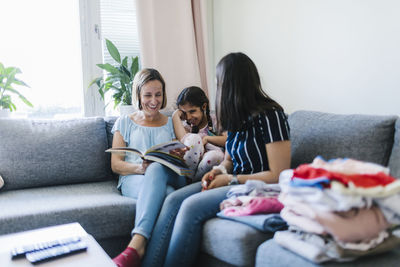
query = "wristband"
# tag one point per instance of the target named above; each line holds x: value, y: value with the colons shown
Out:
x: 221, y: 168
x: 234, y: 180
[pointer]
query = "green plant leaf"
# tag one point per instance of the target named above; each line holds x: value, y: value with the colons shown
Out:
x: 19, y: 82
x: 117, y: 101
x: 112, y: 49
x: 101, y: 92
x: 13, y: 91
x: 134, y: 66
x: 26, y: 101
x: 5, y: 102
x: 108, y: 87
x: 108, y: 67
x: 125, y: 62
x: 124, y: 70
x: 2, y: 69
x: 112, y: 78
x: 12, y: 106
x: 118, y: 78
x: 96, y: 81
x: 127, y: 98
x: 10, y: 70
x: 10, y: 76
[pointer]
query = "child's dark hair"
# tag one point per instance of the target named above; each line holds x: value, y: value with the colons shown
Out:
x: 195, y: 96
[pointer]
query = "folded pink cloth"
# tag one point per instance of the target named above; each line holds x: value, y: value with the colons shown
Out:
x: 358, y: 225
x: 258, y: 205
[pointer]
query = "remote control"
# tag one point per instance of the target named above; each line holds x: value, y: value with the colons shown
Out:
x: 18, y: 252
x: 48, y: 254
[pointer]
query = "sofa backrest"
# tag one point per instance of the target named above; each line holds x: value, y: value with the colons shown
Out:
x: 394, y: 161
x: 363, y: 137
x: 109, y: 124
x: 36, y: 153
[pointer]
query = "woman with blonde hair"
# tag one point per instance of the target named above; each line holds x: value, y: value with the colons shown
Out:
x: 147, y: 182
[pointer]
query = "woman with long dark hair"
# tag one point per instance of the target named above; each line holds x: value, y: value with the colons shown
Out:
x: 257, y: 147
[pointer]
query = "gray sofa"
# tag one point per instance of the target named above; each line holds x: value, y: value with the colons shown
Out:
x: 369, y: 138
x: 56, y: 172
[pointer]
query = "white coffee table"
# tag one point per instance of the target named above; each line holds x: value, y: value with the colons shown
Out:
x: 94, y: 256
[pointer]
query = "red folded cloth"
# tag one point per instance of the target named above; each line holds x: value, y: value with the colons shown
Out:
x: 304, y: 171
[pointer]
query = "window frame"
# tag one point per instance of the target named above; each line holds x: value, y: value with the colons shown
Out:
x: 91, y: 53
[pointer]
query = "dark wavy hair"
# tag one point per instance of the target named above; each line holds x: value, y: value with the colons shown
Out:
x: 239, y: 92
x: 195, y: 96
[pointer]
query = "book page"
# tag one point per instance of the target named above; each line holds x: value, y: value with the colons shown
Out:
x: 124, y: 150
x: 166, y: 147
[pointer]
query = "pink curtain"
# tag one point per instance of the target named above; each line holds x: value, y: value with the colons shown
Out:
x: 173, y: 40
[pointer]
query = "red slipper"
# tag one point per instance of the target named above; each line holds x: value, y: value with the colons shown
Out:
x: 128, y: 258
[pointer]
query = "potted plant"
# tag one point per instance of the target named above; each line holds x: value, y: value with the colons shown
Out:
x: 118, y: 78
x: 7, y: 91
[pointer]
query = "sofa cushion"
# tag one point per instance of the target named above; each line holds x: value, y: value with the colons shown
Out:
x: 394, y: 162
x: 98, y: 207
x: 232, y: 242
x: 36, y: 153
x: 363, y: 137
x: 109, y: 125
x: 271, y: 254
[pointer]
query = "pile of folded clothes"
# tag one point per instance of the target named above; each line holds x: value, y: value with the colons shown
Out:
x: 254, y: 203
x: 339, y: 210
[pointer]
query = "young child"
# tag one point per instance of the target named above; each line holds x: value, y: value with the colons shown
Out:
x: 194, y: 127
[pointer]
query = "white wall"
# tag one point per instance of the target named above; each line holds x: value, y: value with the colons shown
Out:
x: 340, y: 56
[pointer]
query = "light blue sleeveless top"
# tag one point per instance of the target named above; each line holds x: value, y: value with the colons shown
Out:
x: 142, y: 137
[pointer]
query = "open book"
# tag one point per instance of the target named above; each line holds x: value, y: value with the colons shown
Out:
x: 161, y: 154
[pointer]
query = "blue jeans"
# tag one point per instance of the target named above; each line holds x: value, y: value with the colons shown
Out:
x: 184, y: 246
x: 150, y: 190
x: 158, y: 243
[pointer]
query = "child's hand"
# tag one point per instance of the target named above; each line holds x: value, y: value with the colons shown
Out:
x: 180, y: 114
x: 179, y: 152
x: 205, y: 140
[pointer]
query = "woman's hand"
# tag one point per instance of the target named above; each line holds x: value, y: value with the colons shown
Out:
x: 145, y: 164
x: 208, y: 180
x: 220, y: 180
x: 141, y: 168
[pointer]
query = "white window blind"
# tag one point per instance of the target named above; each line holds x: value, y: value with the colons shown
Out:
x: 118, y: 24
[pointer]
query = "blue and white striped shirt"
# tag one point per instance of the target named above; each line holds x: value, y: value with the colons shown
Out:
x: 247, y: 147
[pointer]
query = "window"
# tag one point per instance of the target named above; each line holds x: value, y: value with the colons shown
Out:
x: 57, y: 45
x: 118, y: 24
x: 42, y: 38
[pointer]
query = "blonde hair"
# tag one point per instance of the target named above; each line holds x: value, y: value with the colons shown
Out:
x: 141, y: 78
